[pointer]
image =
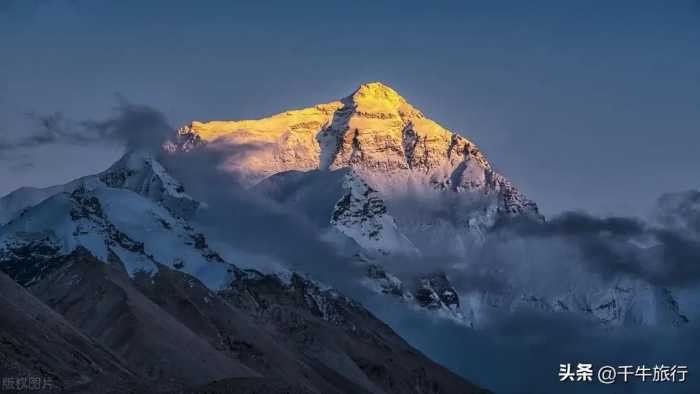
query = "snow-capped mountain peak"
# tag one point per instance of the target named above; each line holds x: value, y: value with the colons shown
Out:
x: 375, y: 98
x: 113, y: 225
x: 374, y: 129
x: 140, y: 172
x: 388, y: 144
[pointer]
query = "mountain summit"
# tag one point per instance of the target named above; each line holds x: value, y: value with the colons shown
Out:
x: 375, y: 172
x: 377, y: 97
x: 391, y: 150
x: 374, y: 128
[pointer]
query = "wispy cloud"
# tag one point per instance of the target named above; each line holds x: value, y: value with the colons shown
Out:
x: 661, y: 255
x: 132, y: 125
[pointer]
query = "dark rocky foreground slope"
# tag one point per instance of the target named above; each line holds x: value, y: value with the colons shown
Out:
x: 92, y: 328
x: 38, y: 343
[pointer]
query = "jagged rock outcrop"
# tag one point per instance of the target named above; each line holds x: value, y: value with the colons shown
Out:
x: 362, y: 215
x: 435, y: 292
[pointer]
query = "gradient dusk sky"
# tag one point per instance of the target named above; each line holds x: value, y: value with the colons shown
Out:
x: 589, y: 105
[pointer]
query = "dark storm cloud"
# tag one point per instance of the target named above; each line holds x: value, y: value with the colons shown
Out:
x: 665, y: 256
x: 572, y: 224
x: 134, y: 126
x: 49, y: 129
x: 680, y: 211
x: 54, y: 128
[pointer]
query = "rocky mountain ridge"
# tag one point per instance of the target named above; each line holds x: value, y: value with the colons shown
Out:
x: 118, y: 263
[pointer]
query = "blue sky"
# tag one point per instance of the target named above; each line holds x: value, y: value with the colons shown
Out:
x: 585, y: 105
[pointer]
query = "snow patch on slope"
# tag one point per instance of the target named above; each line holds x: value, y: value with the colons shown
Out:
x: 361, y: 215
x: 137, y: 171
x: 117, y: 222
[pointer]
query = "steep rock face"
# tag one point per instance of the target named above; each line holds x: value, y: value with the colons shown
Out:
x: 435, y: 292
x: 282, y: 142
x: 342, y: 202
x: 377, y: 130
x: 361, y: 215
x: 390, y: 144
